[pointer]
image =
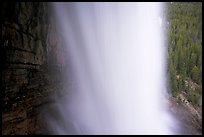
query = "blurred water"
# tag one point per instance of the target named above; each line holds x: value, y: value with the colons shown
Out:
x: 117, y: 56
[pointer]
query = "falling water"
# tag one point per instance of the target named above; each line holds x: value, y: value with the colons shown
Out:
x: 117, y: 58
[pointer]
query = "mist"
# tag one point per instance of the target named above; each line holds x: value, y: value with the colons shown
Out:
x: 116, y: 82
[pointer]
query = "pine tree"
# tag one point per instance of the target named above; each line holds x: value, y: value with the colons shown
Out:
x: 195, y: 74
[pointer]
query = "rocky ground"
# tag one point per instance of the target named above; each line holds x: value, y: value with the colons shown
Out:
x: 189, y: 117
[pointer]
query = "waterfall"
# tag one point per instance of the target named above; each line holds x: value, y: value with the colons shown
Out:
x: 117, y: 78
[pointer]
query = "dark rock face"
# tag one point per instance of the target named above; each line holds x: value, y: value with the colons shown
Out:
x: 24, y: 33
x: 25, y: 80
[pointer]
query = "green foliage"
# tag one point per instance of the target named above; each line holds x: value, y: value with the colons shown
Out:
x: 173, y: 81
x: 195, y: 74
x: 185, y: 46
x: 194, y: 96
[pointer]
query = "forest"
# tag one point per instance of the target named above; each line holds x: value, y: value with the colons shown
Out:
x: 185, y: 50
